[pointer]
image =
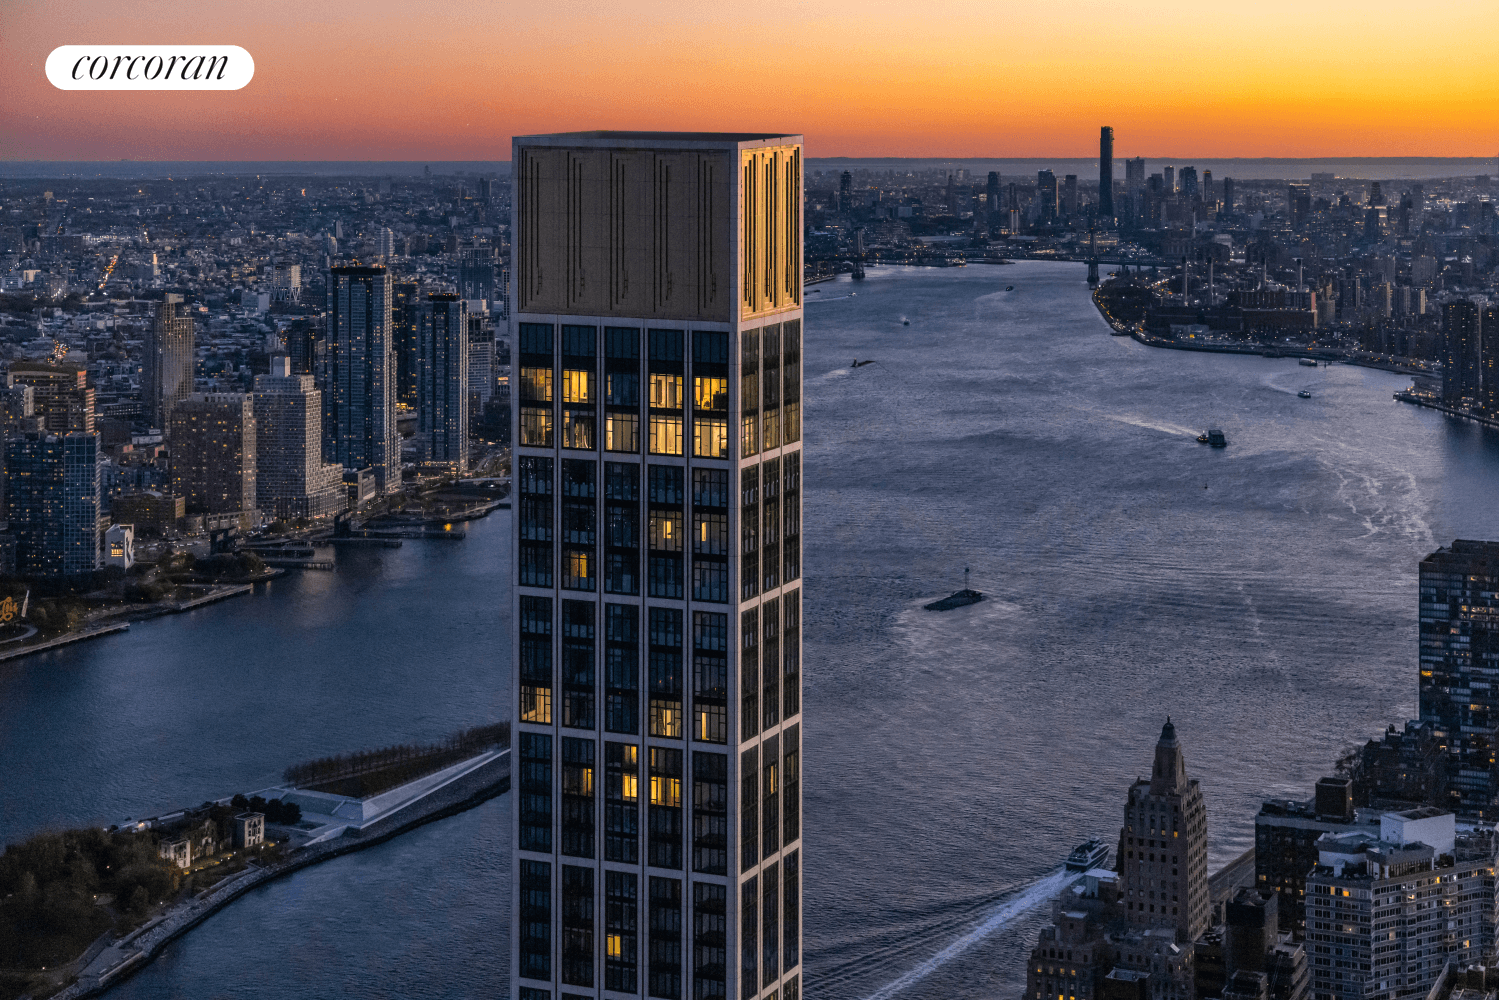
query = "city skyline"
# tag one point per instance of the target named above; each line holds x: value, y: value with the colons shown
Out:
x: 971, y: 83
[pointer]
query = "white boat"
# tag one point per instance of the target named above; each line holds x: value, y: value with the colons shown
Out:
x: 1087, y: 856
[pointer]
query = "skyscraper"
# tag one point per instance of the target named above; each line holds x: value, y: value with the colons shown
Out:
x: 991, y: 202
x: 167, y: 375
x: 658, y: 560
x: 1106, y: 172
x: 1069, y: 195
x: 1046, y: 195
x: 1460, y: 348
x: 54, y: 493
x: 291, y: 478
x: 1188, y: 178
x: 359, y: 398
x: 1163, y: 855
x: 213, y: 454
x: 1228, y: 194
x: 442, y: 382
x: 406, y: 311
x: 1459, y: 648
x: 1488, y: 353
x: 1134, y: 175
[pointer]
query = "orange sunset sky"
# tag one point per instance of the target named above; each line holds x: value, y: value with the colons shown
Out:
x: 454, y: 79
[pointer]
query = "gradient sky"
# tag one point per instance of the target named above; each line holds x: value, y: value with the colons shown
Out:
x: 454, y: 79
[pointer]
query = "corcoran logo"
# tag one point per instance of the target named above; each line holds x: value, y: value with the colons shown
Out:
x: 149, y: 67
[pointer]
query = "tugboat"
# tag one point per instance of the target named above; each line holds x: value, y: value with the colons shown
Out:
x: 1309, y: 362
x: 1213, y: 437
x: 959, y: 599
x: 1009, y: 288
x: 904, y: 321
x: 1087, y: 856
x: 1305, y: 394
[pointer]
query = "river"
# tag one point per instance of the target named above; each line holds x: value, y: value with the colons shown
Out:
x: 1264, y: 595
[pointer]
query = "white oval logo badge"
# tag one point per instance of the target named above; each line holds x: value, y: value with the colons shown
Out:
x: 149, y: 67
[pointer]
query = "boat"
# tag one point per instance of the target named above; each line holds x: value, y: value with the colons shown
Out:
x: 1215, y: 438
x: 1304, y: 394
x: 904, y: 321
x: 1087, y: 856
x: 1009, y: 288
x: 959, y: 599
x: 860, y: 364
x: 1309, y: 362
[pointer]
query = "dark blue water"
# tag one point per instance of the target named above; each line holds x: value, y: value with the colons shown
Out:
x: 1264, y: 595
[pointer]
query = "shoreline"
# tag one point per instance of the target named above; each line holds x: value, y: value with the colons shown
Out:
x: 219, y: 593
x: 486, y: 780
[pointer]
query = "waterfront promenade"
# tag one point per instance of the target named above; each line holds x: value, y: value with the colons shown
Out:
x: 389, y: 814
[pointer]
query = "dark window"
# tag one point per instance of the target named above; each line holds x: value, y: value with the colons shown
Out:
x: 535, y: 919
x: 621, y: 528
x: 749, y: 673
x: 770, y: 660
x: 536, y: 339
x: 749, y: 528
x: 791, y: 517
x: 622, y: 668
x: 577, y: 799
x: 666, y: 575
x: 534, y: 567
x: 577, y: 926
x: 622, y: 803
x: 792, y: 901
x: 791, y: 782
x: 666, y: 485
x: 622, y: 343
x: 710, y: 488
x: 666, y: 807
x: 710, y: 348
x: 770, y: 909
x: 666, y: 716
x: 710, y: 813
x: 770, y: 786
x: 749, y: 813
x: 710, y: 677
x: 770, y: 524
x: 536, y: 659
x: 621, y: 913
x: 536, y: 793
x: 535, y: 476
x: 749, y: 940
x: 666, y: 345
x: 531, y: 993
x: 792, y: 380
x: 709, y: 941
x: 579, y: 342
x: 578, y: 664
x: 666, y: 938
x: 791, y: 653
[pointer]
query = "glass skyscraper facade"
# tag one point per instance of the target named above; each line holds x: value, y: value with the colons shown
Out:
x: 657, y: 598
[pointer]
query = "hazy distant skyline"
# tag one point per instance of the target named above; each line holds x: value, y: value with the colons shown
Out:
x: 455, y: 79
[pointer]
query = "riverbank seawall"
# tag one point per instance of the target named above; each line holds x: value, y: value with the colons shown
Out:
x: 471, y: 783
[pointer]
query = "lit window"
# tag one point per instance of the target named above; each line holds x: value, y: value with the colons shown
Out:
x: 710, y: 394
x: 666, y: 530
x: 535, y: 427
x: 666, y: 720
x: 536, y: 385
x: 666, y: 435
x: 630, y: 790
x: 613, y: 945
x: 710, y: 437
x: 666, y: 791
x: 536, y: 704
x: 666, y: 392
x: 577, y: 386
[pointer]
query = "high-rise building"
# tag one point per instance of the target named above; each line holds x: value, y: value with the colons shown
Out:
x: 658, y: 560
x: 1207, y: 185
x: 1134, y: 175
x: 213, y: 454
x: 55, y: 495
x: 1286, y: 832
x: 483, y: 359
x: 385, y: 243
x: 845, y: 192
x: 1298, y: 204
x: 442, y: 383
x: 476, y: 273
x: 1069, y: 195
x: 1460, y: 351
x: 1168, y: 178
x: 62, y: 399
x: 1106, y: 172
x: 359, y: 397
x: 167, y: 375
x: 286, y: 283
x: 1163, y: 846
x: 291, y: 479
x: 1228, y: 194
x: 1459, y: 646
x: 1046, y: 195
x: 406, y: 313
x: 1488, y: 354
x: 991, y: 200
x: 1188, y: 178
x: 1387, y: 912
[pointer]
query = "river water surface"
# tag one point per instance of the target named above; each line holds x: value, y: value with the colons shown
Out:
x: 1264, y: 595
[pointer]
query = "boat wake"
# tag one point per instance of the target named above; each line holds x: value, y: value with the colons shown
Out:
x: 1003, y: 913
